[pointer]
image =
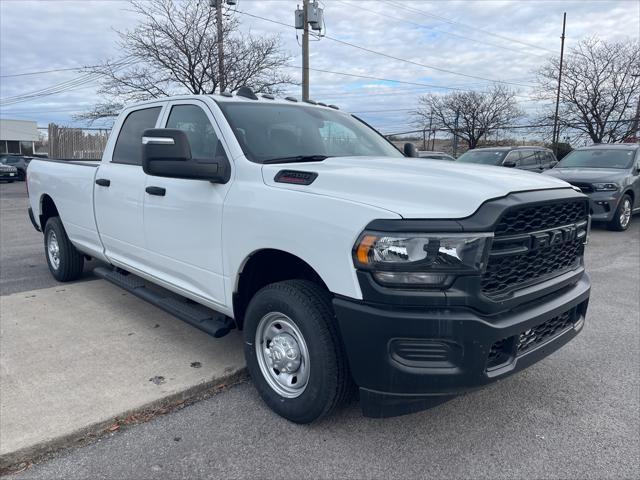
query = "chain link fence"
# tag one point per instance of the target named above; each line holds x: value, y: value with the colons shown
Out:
x: 76, y: 143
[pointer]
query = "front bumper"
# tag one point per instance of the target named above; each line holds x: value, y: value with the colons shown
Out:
x: 8, y: 175
x: 405, y: 359
x: 603, y: 205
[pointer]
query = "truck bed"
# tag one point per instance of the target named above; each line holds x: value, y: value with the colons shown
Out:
x: 69, y: 184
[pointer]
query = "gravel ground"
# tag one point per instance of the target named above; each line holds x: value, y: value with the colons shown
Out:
x: 575, y: 414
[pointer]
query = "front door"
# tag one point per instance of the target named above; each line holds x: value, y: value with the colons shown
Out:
x: 119, y: 191
x: 183, y: 218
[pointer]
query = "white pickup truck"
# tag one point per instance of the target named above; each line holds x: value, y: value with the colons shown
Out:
x: 345, y: 262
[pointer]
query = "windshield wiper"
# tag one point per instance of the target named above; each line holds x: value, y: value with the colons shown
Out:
x: 299, y: 158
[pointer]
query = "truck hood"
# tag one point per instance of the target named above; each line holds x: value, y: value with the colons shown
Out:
x: 587, y: 175
x: 412, y: 187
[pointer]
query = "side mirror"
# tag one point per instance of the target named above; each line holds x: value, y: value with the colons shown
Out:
x: 636, y: 170
x: 553, y: 163
x: 166, y: 153
x: 410, y: 150
x: 509, y: 163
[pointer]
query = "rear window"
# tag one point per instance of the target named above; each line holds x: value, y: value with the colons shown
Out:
x: 128, y: 147
x: 485, y: 157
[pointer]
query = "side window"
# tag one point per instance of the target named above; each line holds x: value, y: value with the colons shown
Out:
x: 128, y: 147
x: 202, y: 137
x: 513, y: 156
x: 529, y: 158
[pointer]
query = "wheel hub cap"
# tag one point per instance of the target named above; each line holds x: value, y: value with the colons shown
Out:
x: 53, y: 249
x: 625, y: 216
x: 282, y: 355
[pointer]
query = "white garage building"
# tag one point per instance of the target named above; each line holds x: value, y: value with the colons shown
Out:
x: 18, y: 136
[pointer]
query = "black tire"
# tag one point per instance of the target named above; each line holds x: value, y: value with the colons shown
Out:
x: 70, y: 261
x: 620, y: 222
x: 329, y: 382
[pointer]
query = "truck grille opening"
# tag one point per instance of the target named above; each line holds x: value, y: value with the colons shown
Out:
x: 507, y: 272
x: 530, y: 339
x: 528, y: 219
x: 505, y: 350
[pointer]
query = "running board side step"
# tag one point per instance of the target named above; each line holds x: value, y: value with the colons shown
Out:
x: 196, y: 315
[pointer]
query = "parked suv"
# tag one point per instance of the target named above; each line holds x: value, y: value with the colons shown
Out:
x: 610, y: 175
x: 533, y: 159
x: 20, y: 162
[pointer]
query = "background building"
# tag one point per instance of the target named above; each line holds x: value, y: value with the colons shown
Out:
x: 18, y: 136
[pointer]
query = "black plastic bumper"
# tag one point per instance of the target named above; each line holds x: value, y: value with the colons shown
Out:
x: 407, y: 359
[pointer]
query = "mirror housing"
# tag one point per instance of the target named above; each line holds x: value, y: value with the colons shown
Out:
x: 166, y: 153
x: 410, y: 150
x: 509, y: 163
x: 553, y: 163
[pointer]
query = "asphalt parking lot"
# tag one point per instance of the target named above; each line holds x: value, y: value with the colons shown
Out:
x: 575, y: 414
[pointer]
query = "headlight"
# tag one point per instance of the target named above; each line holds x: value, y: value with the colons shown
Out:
x: 605, y: 187
x: 421, y: 259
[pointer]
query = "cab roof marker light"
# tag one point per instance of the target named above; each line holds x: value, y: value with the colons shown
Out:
x: 291, y: 99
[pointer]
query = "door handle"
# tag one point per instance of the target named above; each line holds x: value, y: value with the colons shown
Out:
x: 159, y: 191
x: 103, y: 182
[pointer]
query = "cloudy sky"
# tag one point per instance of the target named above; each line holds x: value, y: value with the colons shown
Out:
x: 452, y: 44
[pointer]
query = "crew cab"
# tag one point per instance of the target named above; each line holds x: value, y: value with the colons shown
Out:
x: 346, y: 264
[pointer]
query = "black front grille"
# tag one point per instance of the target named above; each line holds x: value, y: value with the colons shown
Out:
x: 513, y: 268
x: 506, y: 273
x: 540, y: 217
x: 530, y: 339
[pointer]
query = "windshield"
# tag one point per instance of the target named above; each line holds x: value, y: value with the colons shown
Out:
x: 598, y: 158
x: 268, y: 132
x: 485, y: 157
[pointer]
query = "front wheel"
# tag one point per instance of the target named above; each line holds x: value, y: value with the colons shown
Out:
x: 293, y: 351
x: 622, y: 218
x: 65, y: 262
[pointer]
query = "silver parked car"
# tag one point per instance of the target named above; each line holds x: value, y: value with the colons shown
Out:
x: 610, y: 175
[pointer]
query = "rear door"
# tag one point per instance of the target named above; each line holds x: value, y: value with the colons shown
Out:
x: 529, y: 161
x: 183, y: 217
x: 119, y: 189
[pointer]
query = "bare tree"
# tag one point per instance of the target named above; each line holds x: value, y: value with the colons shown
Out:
x: 476, y: 114
x: 174, y: 50
x: 599, y: 90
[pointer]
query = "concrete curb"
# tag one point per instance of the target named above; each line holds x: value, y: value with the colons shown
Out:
x: 89, y: 433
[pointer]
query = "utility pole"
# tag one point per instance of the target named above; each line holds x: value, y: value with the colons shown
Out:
x: 311, y: 15
x: 305, y: 51
x: 430, y: 126
x: 556, y: 129
x: 455, y: 134
x: 217, y: 4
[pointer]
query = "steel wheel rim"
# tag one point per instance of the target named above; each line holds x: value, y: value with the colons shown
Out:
x: 53, y: 250
x: 282, y: 355
x: 625, y: 216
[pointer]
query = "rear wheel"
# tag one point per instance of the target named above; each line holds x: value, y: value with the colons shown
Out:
x: 64, y: 260
x: 622, y: 218
x: 293, y: 351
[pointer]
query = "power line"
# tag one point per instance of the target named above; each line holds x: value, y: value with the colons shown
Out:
x: 455, y: 22
x: 444, y: 32
x: 24, y: 74
x: 382, y: 54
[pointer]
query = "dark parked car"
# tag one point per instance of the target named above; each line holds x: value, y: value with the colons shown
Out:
x: 533, y: 159
x: 435, y: 155
x: 8, y: 173
x: 19, y: 161
x: 610, y: 175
